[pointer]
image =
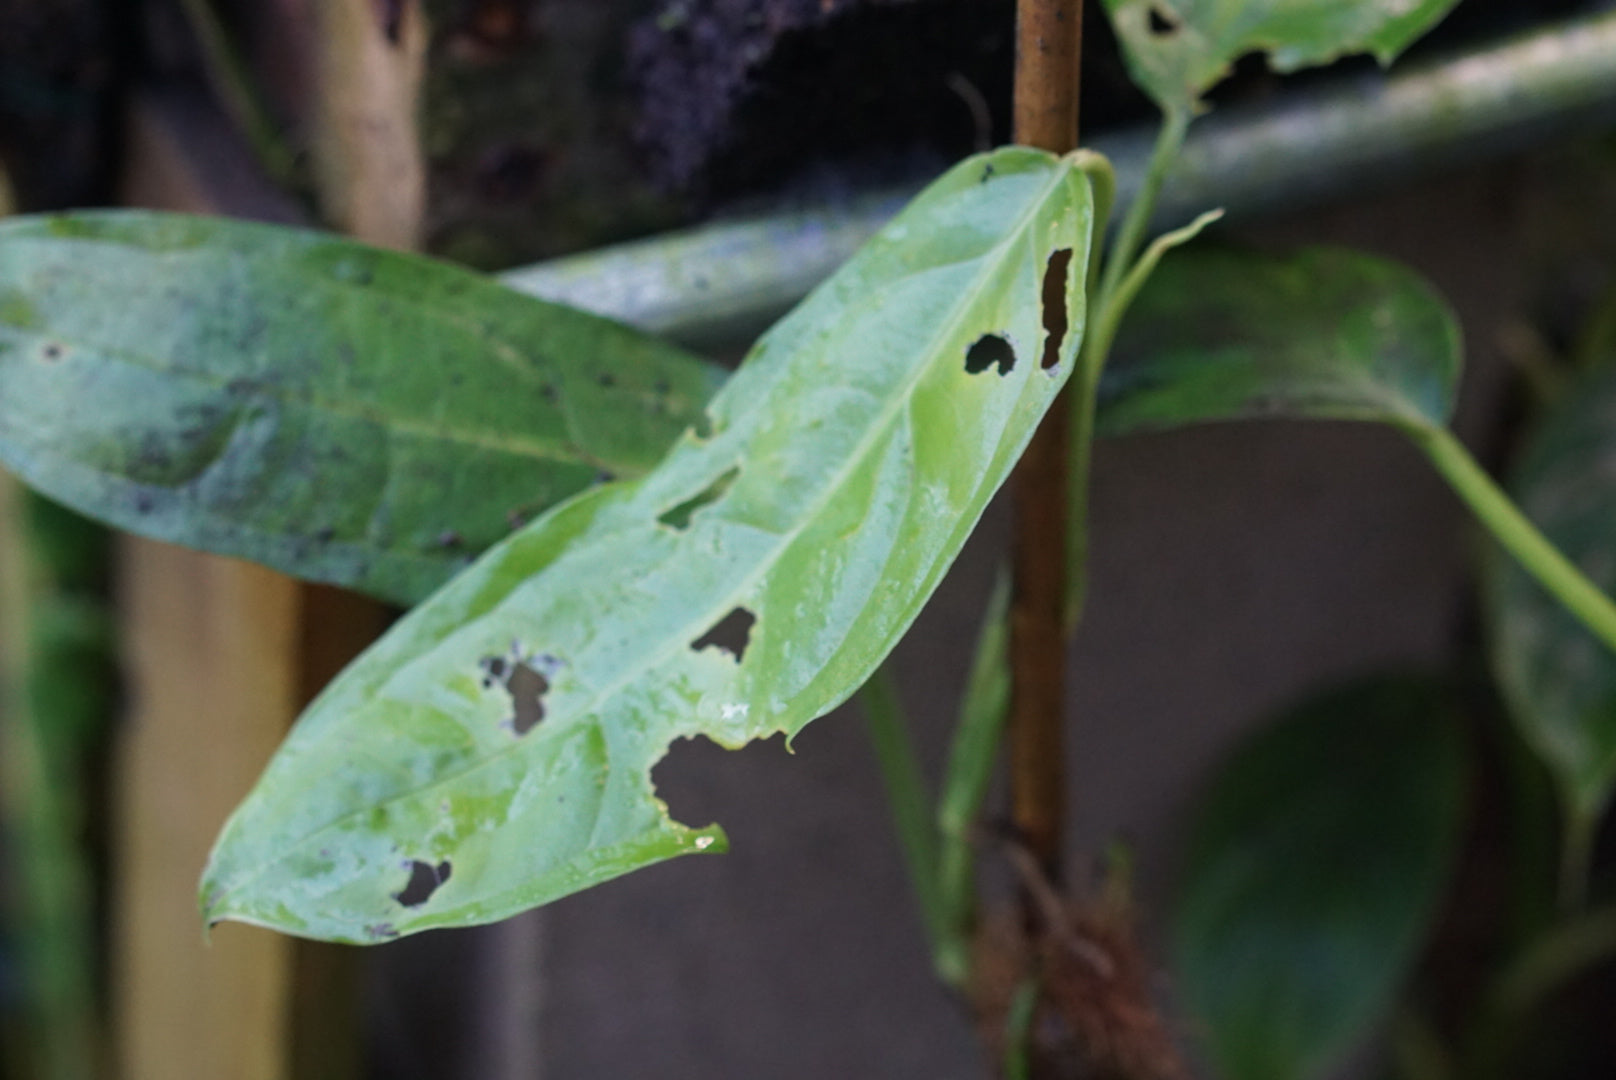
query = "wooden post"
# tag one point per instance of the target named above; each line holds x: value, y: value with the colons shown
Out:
x: 1049, y: 37
x: 220, y: 656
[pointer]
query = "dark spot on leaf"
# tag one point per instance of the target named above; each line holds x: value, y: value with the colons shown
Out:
x: 325, y: 534
x: 662, y: 386
x: 143, y: 503
x: 548, y: 392
x: 678, y: 517
x: 703, y: 428
x: 605, y: 476
x: 987, y: 173
x: 1163, y: 20
x: 424, y: 881
x: 381, y: 931
x: 1055, y: 322
x: 52, y: 351
x: 450, y: 539
x: 732, y: 633
x: 606, y: 379
x: 525, y: 683
x: 990, y: 350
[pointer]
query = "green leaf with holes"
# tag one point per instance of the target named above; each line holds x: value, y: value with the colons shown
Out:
x: 1558, y: 680
x: 494, y: 750
x: 338, y: 412
x: 1323, y: 333
x: 1176, y: 50
x: 1315, y: 870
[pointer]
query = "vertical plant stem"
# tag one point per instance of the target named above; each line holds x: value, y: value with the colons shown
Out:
x: 1579, y: 831
x: 906, y: 791
x: 969, y: 773
x: 53, y: 904
x: 238, y: 93
x: 1049, y: 38
x: 1018, y: 1032
x: 1131, y: 234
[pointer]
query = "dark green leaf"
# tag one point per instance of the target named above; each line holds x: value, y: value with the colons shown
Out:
x: 494, y: 750
x: 1316, y: 866
x: 339, y: 412
x: 1323, y: 333
x: 1179, y: 49
x: 1559, y: 681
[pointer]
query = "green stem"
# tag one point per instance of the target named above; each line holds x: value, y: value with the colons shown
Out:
x: 1131, y: 236
x: 1553, y: 960
x: 969, y: 773
x: 1577, y: 856
x: 1109, y: 317
x: 1518, y: 535
x: 1084, y: 391
x: 37, y: 804
x: 1018, y: 1031
x: 238, y: 92
x: 911, y: 803
x: 1417, y: 1050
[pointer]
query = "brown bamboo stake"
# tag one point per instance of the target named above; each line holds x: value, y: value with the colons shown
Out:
x: 220, y: 655
x: 1049, y: 37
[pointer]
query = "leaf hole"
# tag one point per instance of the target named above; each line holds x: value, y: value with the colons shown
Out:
x: 678, y: 517
x: 990, y: 350
x: 704, y: 428
x: 1054, y: 305
x: 1163, y: 20
x: 424, y: 881
x: 521, y: 678
x: 732, y: 634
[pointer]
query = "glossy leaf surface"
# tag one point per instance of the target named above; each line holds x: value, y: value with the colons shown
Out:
x: 338, y: 412
x: 1315, y: 869
x: 1559, y: 681
x: 1323, y: 333
x: 494, y: 750
x: 1178, y: 49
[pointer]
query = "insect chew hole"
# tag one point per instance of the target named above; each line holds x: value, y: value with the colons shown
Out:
x: 524, y: 682
x: 1054, y: 305
x: 678, y: 517
x: 990, y: 350
x: 424, y: 881
x: 732, y: 634
x: 1163, y: 20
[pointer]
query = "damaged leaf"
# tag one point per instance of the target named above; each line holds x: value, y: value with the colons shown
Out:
x: 1322, y: 334
x: 844, y: 466
x: 1178, y: 49
x: 338, y: 412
